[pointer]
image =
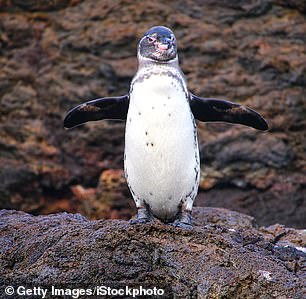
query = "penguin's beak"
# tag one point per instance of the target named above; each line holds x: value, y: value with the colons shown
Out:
x: 164, y: 43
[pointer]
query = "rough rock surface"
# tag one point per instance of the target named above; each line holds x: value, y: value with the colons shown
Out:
x: 56, y: 54
x: 225, y: 256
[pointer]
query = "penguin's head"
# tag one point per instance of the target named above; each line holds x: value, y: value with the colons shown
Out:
x: 158, y: 44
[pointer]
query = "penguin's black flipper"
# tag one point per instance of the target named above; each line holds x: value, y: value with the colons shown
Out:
x: 103, y: 108
x: 210, y: 110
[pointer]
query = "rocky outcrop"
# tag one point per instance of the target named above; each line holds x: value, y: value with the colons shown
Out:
x: 56, y: 54
x: 224, y: 256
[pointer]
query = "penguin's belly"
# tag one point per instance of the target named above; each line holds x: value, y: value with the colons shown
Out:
x: 161, y: 150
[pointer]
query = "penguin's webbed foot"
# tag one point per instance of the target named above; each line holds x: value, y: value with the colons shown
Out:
x: 143, y: 216
x: 178, y: 223
x: 184, y: 220
x: 140, y: 221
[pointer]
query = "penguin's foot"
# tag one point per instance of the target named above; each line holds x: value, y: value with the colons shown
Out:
x: 180, y: 224
x: 184, y: 220
x: 143, y: 216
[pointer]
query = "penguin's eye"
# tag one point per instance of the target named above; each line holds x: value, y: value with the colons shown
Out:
x: 151, y: 39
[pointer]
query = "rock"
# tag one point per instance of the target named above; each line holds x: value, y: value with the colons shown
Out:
x: 298, y: 4
x: 227, y: 257
x: 57, y: 54
x: 36, y: 5
x: 110, y: 200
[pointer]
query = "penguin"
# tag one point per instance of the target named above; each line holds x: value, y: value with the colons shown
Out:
x: 161, y: 156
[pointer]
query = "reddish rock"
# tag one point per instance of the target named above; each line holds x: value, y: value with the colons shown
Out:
x: 112, y: 200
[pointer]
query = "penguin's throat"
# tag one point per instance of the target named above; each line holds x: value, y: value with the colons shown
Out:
x: 145, y: 62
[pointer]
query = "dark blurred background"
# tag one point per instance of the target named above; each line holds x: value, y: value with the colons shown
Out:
x: 57, y: 54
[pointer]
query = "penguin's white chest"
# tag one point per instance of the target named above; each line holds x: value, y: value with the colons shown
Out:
x: 161, y: 148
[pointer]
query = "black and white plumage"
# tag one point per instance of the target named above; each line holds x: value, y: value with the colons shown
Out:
x: 161, y: 161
